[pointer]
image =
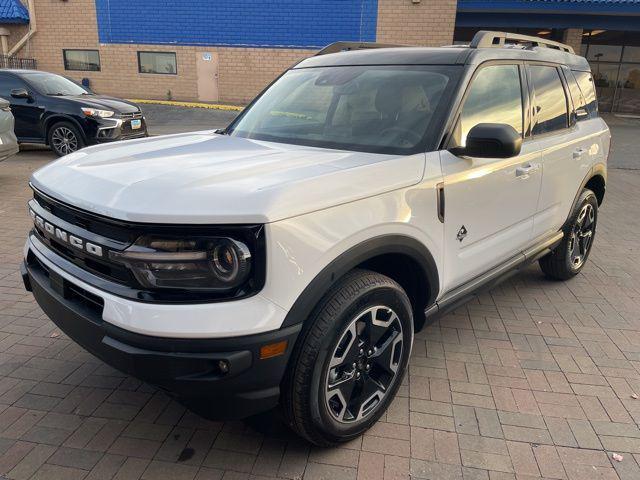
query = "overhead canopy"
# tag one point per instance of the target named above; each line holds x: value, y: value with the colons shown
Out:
x: 588, y: 14
x: 13, y: 11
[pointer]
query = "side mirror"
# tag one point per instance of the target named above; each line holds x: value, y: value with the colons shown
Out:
x: 491, y: 140
x: 20, y: 93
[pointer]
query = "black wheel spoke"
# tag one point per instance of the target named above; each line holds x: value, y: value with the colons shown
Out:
x: 364, y: 364
x: 370, y: 394
x: 386, y: 355
x: 582, y: 235
x: 378, y: 326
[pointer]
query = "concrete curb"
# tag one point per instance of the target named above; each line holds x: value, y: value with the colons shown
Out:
x: 210, y: 106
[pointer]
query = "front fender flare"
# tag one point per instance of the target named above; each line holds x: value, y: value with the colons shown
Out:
x: 350, y: 259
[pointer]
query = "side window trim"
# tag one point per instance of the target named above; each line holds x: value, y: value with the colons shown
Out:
x: 458, y: 109
x: 527, y: 102
x: 571, y: 107
x: 534, y: 102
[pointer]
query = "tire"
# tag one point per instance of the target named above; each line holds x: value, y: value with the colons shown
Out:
x: 57, y: 135
x: 568, y: 258
x: 342, y: 350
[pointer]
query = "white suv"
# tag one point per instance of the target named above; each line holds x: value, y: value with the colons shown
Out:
x: 290, y: 257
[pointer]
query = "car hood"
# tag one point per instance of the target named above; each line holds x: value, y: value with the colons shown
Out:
x: 203, y: 177
x: 104, y: 102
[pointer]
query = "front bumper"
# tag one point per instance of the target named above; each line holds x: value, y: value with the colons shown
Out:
x: 187, y: 368
x: 115, y: 129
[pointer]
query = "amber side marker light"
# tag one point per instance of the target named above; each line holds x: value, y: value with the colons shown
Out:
x: 273, y: 350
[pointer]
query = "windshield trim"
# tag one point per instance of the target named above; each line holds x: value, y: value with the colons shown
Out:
x: 429, y: 141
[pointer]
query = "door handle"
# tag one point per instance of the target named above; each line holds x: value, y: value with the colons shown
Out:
x: 523, y: 171
x: 578, y: 152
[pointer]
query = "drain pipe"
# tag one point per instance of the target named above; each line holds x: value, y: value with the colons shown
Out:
x: 32, y: 30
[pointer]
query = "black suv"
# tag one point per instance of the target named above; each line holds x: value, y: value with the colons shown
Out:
x: 56, y: 111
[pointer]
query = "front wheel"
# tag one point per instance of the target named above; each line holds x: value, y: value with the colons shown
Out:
x: 64, y: 139
x: 351, y: 360
x: 569, y: 257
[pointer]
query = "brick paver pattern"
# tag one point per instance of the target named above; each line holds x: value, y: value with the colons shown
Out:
x: 533, y: 379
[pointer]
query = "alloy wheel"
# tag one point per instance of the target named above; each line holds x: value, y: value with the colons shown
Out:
x: 581, y: 236
x: 64, y: 140
x: 364, y: 364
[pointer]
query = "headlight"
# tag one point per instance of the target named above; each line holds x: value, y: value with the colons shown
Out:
x: 203, y: 263
x: 94, y: 112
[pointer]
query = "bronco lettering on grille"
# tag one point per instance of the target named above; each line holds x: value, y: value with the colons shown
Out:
x: 65, y: 237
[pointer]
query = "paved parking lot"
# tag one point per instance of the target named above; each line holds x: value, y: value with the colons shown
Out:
x: 534, y: 379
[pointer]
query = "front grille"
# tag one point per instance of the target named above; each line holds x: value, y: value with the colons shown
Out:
x: 107, y: 228
x: 107, y: 234
x: 127, y: 116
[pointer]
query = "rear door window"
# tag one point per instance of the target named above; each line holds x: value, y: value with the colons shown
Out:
x: 552, y: 113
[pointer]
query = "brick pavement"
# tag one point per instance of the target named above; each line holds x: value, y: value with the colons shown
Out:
x: 534, y: 379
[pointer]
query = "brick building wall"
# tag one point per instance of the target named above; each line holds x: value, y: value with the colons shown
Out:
x: 427, y: 22
x: 573, y: 38
x: 243, y: 72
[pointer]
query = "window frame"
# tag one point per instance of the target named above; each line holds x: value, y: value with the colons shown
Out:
x: 66, y: 64
x: 532, y: 95
x: 524, y: 95
x: 175, y: 56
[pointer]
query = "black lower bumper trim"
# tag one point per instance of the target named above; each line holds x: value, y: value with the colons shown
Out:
x: 189, y: 369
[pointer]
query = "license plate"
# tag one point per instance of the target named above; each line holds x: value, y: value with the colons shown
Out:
x: 136, y: 124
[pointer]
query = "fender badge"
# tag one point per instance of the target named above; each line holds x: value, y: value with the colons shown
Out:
x: 461, y: 233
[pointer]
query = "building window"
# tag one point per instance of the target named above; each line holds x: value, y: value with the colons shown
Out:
x: 615, y: 62
x: 157, y: 62
x: 84, y: 60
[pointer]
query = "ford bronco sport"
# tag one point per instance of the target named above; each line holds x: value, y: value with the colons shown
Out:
x: 289, y: 258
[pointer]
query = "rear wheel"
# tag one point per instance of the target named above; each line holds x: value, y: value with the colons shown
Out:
x: 350, y: 363
x: 64, y: 138
x: 569, y: 257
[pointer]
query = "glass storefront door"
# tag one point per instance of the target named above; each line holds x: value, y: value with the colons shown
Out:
x: 615, y: 62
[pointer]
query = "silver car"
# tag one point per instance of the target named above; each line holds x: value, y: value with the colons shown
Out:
x: 8, y: 141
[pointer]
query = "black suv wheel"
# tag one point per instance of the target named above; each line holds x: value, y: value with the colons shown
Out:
x: 350, y: 363
x: 569, y: 257
x: 64, y: 138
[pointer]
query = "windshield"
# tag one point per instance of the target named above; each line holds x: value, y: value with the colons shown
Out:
x: 51, y: 84
x: 381, y: 109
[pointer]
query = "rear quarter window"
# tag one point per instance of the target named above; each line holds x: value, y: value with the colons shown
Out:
x: 585, y: 83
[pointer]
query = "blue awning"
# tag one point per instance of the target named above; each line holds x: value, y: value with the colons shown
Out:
x: 13, y: 11
x: 584, y: 7
x: 589, y: 14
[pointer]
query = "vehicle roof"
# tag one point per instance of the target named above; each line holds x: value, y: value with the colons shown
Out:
x: 454, y: 55
x: 20, y: 71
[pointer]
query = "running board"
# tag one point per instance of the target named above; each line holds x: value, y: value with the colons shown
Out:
x: 496, y: 275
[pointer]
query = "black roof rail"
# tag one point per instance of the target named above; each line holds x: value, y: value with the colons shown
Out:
x: 489, y: 39
x: 346, y: 46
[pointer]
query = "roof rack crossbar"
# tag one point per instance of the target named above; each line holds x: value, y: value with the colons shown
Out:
x: 489, y: 39
x: 346, y: 46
